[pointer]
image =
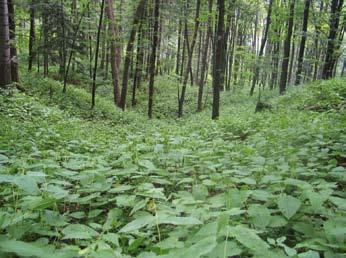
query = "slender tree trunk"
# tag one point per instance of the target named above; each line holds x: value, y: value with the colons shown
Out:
x: 32, y: 36
x: 330, y: 60
x: 139, y: 64
x: 292, y: 59
x: 45, y: 39
x: 261, y: 52
x: 13, y: 49
x: 129, y: 51
x: 189, y: 61
x: 152, y: 59
x: 287, y: 48
x: 5, y: 53
x: 205, y: 56
x: 302, y: 42
x: 115, y: 56
x: 199, y: 57
x: 218, y: 75
x: 179, y: 47
x: 71, y: 54
x: 93, y: 89
x: 63, y: 50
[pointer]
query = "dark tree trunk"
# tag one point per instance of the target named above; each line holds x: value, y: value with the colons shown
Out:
x: 32, y: 36
x: 115, y: 56
x: 62, y: 69
x: 330, y: 60
x: 71, y: 54
x: 218, y: 76
x: 189, y: 60
x: 205, y: 56
x: 129, y: 51
x: 199, y: 57
x: 179, y: 48
x: 13, y: 49
x: 5, y: 53
x: 139, y: 63
x: 261, y: 52
x: 302, y: 42
x: 45, y: 39
x: 93, y: 89
x: 287, y: 48
x: 152, y: 59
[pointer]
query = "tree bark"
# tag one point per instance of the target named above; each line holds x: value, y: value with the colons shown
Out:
x: 261, y: 52
x: 302, y: 42
x: 129, y: 51
x: 115, y: 56
x: 13, y: 49
x: 32, y: 36
x: 205, y: 56
x: 287, y: 48
x: 189, y: 60
x: 5, y: 53
x: 139, y: 64
x: 330, y: 59
x: 93, y: 90
x: 153, y: 59
x: 218, y: 77
x: 45, y: 38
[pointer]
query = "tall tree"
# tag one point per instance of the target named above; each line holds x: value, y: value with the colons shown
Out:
x: 205, y: 56
x: 93, y: 89
x: 45, y: 37
x: 153, y: 58
x: 218, y: 76
x: 5, y: 58
x: 302, y: 42
x: 330, y: 59
x: 115, y: 56
x: 129, y: 51
x: 32, y: 36
x: 139, y: 63
x: 189, y: 60
x: 13, y: 48
x: 287, y: 48
x: 263, y: 43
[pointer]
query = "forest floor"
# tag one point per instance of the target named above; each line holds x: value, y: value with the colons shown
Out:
x: 106, y: 183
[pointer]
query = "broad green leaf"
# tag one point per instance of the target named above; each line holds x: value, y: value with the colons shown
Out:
x: 137, y: 224
x: 78, y: 231
x: 260, y: 215
x: 249, y: 239
x: 288, y: 205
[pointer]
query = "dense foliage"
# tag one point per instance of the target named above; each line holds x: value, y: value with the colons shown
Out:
x: 264, y: 184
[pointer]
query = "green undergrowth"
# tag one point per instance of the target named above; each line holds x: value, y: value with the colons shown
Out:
x: 266, y: 184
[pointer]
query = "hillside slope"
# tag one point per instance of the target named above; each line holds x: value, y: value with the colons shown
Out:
x: 266, y: 184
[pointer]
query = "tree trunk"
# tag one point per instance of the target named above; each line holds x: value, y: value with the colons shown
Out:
x: 189, y: 60
x: 45, y: 38
x: 218, y: 79
x: 5, y: 53
x: 13, y: 49
x: 205, y: 56
x: 302, y: 42
x: 179, y: 47
x: 261, y: 52
x: 32, y: 36
x: 139, y: 64
x: 153, y: 58
x: 115, y: 56
x: 93, y: 90
x: 71, y: 54
x: 129, y: 51
x: 330, y: 60
x: 287, y: 48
